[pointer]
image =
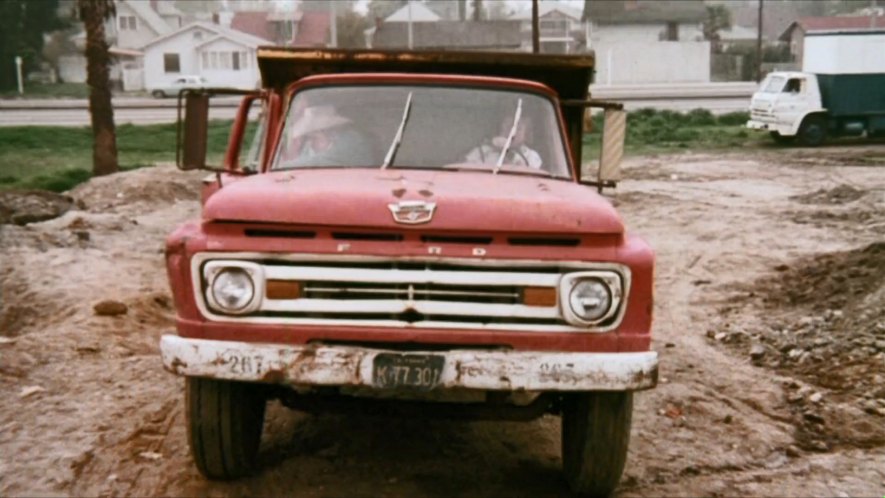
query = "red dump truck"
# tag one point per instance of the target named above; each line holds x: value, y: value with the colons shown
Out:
x: 411, y: 234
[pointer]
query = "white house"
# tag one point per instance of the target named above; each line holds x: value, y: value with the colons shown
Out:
x: 649, y: 41
x: 137, y: 23
x: 224, y: 57
x: 561, y: 30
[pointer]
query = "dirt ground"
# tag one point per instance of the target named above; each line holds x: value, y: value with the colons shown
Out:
x: 770, y: 324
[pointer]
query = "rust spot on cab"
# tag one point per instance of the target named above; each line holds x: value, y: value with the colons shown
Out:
x: 399, y: 192
x: 177, y: 366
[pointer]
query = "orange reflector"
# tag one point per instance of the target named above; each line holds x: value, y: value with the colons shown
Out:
x: 282, y: 289
x: 539, y: 296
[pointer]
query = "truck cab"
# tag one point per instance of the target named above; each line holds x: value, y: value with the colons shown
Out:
x: 413, y: 235
x: 782, y: 104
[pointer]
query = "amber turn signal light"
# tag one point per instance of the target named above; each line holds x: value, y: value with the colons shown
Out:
x: 539, y: 296
x: 282, y: 289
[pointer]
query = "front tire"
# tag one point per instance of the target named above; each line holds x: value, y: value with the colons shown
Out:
x: 158, y: 94
x: 224, y: 421
x: 813, y: 131
x: 595, y: 437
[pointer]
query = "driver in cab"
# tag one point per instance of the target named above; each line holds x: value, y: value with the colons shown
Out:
x: 518, y: 154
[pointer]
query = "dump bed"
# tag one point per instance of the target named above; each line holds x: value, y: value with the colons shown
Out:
x: 853, y: 94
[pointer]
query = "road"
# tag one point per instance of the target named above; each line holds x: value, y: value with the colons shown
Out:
x: 717, y: 97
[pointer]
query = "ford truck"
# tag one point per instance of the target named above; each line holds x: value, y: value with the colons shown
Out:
x: 411, y: 234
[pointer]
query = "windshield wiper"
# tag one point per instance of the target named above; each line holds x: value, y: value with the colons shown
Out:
x: 509, y: 137
x: 398, y: 138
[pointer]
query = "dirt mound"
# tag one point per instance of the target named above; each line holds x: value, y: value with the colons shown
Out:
x: 146, y: 187
x: 824, y: 322
x: 21, y: 207
x: 842, y: 194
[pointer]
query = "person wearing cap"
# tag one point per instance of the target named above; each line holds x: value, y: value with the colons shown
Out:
x: 518, y: 154
x: 322, y: 137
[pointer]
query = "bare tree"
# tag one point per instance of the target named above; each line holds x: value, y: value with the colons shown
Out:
x: 94, y: 13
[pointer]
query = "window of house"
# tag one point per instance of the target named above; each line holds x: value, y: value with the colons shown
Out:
x: 224, y: 60
x: 553, y: 27
x: 171, y: 63
x: 244, y: 60
x: 198, y: 35
x: 204, y: 60
x: 236, y: 60
x: 672, y: 31
x: 127, y: 23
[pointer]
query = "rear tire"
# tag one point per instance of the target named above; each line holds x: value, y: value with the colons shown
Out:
x: 781, y: 139
x: 158, y: 94
x: 595, y: 438
x: 224, y: 421
x: 813, y: 131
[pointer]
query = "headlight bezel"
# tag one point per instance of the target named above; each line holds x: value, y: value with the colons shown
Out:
x: 613, y: 280
x: 213, y: 269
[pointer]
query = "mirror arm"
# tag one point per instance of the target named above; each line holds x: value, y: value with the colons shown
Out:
x: 602, y: 104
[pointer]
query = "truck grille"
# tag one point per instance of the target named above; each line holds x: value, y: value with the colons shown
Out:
x: 422, y: 294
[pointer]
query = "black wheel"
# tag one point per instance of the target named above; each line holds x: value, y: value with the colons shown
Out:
x: 224, y: 421
x: 158, y: 94
x: 813, y: 131
x: 595, y: 437
x: 781, y: 139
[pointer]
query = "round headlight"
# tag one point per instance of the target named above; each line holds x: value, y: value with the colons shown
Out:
x: 233, y: 289
x: 590, y: 299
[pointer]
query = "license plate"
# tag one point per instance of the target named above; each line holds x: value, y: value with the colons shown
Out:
x: 407, y: 371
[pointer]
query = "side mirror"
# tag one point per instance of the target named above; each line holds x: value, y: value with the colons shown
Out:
x: 192, y: 136
x: 614, y: 132
x: 192, y: 143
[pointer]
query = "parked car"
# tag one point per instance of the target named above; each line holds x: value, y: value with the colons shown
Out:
x: 180, y: 83
x: 415, y: 238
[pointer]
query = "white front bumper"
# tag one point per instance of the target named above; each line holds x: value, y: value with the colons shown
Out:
x: 783, y: 129
x: 353, y: 366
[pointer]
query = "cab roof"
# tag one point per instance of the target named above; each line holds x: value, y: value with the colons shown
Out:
x: 568, y: 75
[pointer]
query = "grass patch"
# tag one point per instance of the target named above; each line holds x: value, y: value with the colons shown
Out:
x: 58, y: 158
x: 50, y: 91
x: 651, y: 131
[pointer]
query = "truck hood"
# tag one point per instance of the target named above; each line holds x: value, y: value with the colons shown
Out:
x: 465, y: 201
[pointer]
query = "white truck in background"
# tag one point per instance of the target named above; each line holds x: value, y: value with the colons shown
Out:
x: 839, y: 92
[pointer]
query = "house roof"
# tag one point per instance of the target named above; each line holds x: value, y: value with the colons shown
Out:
x: 420, y: 13
x: 646, y: 11
x: 833, y: 23
x: 545, y: 8
x: 313, y: 30
x: 146, y: 13
x: 253, y: 23
x: 232, y: 35
x: 451, y: 35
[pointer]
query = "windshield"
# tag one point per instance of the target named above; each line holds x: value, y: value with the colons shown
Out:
x: 422, y: 127
x: 774, y: 84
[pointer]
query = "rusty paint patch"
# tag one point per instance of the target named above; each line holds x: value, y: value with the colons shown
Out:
x: 425, y: 192
x: 399, y: 192
x: 177, y: 366
x: 274, y: 376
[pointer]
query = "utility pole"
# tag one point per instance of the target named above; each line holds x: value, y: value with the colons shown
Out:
x: 333, y: 28
x: 536, y: 35
x: 411, y: 34
x: 759, y: 44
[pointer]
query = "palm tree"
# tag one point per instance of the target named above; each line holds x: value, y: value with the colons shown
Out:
x: 94, y: 13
